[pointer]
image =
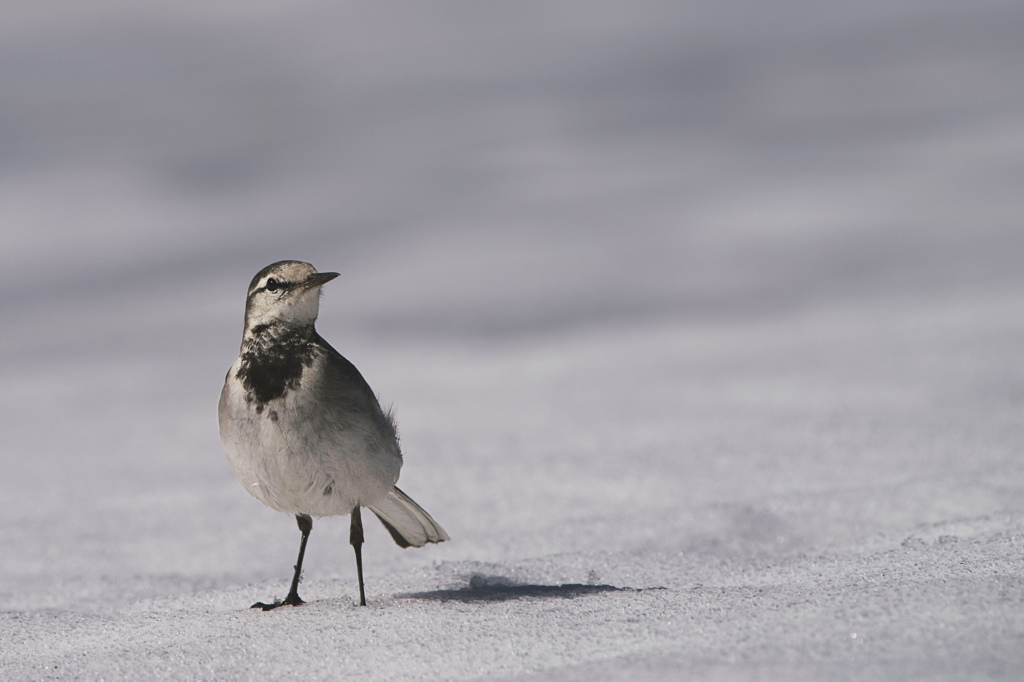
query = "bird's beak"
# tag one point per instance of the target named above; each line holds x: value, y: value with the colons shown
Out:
x: 318, y: 279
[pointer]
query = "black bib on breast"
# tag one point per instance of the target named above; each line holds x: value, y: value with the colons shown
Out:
x: 272, y: 363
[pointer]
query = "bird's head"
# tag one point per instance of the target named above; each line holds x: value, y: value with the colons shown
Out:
x: 286, y: 293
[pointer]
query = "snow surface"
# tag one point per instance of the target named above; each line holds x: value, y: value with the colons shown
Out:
x: 703, y: 324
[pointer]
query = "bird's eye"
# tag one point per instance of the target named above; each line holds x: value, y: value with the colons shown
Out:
x: 272, y: 285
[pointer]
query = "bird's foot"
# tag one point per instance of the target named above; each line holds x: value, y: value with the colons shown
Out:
x: 291, y: 600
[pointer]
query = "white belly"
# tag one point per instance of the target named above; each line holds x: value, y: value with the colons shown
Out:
x: 290, y: 456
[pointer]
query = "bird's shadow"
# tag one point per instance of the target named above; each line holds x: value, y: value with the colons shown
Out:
x: 488, y: 588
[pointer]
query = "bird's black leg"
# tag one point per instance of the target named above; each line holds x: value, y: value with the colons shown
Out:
x: 355, y: 537
x: 305, y: 525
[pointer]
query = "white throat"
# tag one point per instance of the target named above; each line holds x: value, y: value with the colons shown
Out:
x: 296, y: 309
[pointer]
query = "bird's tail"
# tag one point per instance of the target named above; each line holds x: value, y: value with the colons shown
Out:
x: 409, y: 524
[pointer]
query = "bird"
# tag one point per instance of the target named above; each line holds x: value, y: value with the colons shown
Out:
x: 301, y: 428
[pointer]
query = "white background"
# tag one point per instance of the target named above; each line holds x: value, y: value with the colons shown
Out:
x: 702, y: 321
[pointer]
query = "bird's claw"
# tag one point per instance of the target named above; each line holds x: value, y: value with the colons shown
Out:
x: 290, y: 600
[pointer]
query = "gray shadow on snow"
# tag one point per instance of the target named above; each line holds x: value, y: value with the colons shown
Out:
x: 484, y: 588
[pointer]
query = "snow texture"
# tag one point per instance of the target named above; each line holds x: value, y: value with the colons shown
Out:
x: 703, y: 323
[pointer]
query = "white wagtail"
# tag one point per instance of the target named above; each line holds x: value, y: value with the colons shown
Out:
x: 302, y: 429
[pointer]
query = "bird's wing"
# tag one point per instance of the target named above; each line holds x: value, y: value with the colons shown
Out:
x: 350, y: 402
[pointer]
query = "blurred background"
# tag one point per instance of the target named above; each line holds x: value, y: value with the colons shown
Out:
x: 503, y: 188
